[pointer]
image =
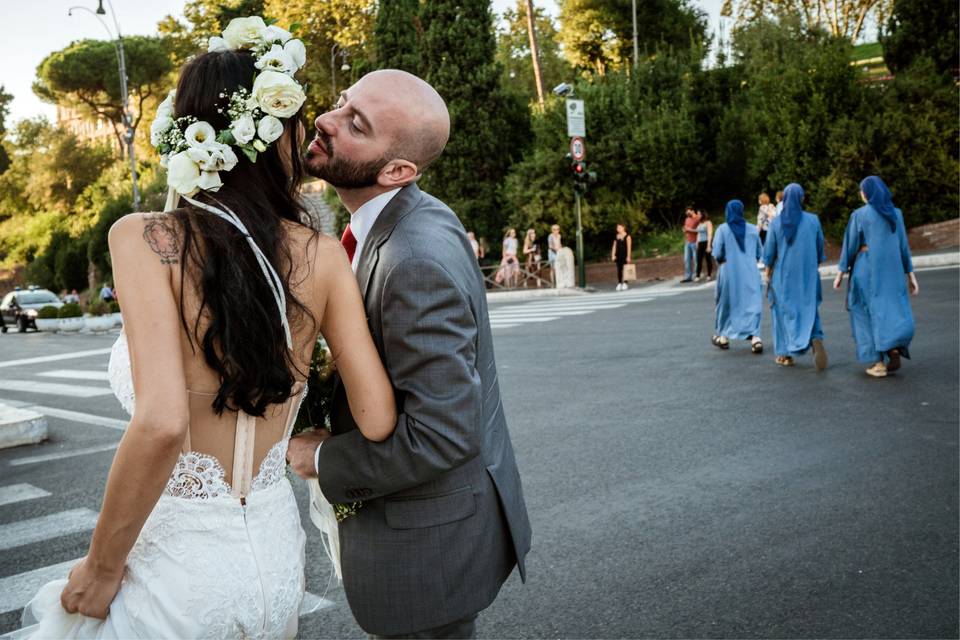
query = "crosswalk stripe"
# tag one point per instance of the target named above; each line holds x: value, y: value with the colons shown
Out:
x: 553, y: 312
x: 54, y: 388
x: 76, y: 374
x: 69, y: 453
x: 17, y: 534
x: 509, y: 325
x: 20, y: 492
x: 16, y: 591
x: 55, y: 358
x: 85, y: 418
x: 527, y: 319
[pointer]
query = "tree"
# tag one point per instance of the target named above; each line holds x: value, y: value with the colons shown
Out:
x: 922, y: 28
x: 396, y: 33
x: 489, y: 129
x: 513, y: 52
x: 60, y: 168
x: 840, y: 18
x: 597, y: 35
x: 85, y: 75
x: 5, y: 100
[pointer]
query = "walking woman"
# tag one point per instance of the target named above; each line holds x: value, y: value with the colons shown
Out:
x: 736, y: 246
x: 793, y: 253
x: 876, y: 255
x: 531, y: 254
x: 621, y: 253
x: 765, y: 214
x: 509, y: 266
x: 704, y: 245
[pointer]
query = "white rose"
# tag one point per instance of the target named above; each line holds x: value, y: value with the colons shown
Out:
x: 269, y: 129
x: 216, y: 43
x: 277, y: 60
x: 200, y: 134
x: 244, y: 33
x: 200, y: 155
x: 222, y: 158
x: 183, y: 175
x: 277, y: 94
x: 209, y: 181
x: 243, y: 128
x: 158, y: 128
x: 274, y: 33
x: 165, y: 108
x: 297, y: 52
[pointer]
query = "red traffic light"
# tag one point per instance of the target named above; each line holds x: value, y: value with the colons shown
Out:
x: 579, y: 168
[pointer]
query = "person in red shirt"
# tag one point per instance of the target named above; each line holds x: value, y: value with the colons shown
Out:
x: 690, y: 243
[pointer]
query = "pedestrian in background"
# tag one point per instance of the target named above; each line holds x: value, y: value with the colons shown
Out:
x: 74, y: 297
x: 739, y: 298
x: 531, y: 254
x: 765, y: 214
x: 793, y: 253
x: 554, y: 244
x: 691, y: 220
x: 106, y: 293
x: 876, y: 255
x: 477, y: 249
x: 779, y: 206
x: 621, y: 253
x: 704, y: 245
x: 509, y: 265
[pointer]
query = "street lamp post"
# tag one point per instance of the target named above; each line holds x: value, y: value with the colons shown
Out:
x: 636, y: 45
x: 124, y: 91
x: 333, y: 66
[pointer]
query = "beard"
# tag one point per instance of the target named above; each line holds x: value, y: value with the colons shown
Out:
x: 340, y: 172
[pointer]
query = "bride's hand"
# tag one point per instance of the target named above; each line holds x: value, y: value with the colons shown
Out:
x: 90, y: 590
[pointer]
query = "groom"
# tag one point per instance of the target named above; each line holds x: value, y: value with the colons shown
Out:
x: 443, y: 520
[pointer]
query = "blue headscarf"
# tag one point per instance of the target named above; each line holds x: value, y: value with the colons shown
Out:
x: 792, y: 211
x: 878, y: 197
x: 736, y: 222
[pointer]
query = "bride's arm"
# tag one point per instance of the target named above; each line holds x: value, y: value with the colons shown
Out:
x: 142, y: 247
x: 344, y: 326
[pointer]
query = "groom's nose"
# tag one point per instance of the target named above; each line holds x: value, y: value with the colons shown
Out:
x: 324, y: 123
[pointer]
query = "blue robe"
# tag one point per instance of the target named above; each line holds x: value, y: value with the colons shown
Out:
x: 877, y: 296
x: 739, y: 288
x: 794, y: 291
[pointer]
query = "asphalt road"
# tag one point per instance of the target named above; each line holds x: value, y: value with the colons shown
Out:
x: 675, y: 490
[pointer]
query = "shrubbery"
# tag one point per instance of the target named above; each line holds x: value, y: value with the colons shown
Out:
x: 70, y: 310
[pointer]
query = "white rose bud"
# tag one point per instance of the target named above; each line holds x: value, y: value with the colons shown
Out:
x: 216, y: 43
x: 297, y: 52
x: 274, y: 33
x: 269, y: 129
x: 200, y: 135
x: 259, y: 146
x: 277, y: 60
x: 183, y: 175
x: 209, y: 181
x: 243, y: 128
x: 244, y: 33
x: 277, y: 94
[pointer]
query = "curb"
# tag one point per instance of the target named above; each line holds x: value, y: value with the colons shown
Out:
x: 919, y: 262
x: 21, y: 426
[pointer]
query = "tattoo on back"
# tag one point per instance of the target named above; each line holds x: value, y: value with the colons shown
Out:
x: 162, y: 237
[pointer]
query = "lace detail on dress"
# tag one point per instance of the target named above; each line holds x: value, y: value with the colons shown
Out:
x: 272, y: 467
x: 197, y: 477
x: 118, y: 373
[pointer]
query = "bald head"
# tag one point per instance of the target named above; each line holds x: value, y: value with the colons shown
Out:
x: 419, y: 122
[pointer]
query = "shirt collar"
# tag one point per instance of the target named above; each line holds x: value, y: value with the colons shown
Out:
x: 363, y: 218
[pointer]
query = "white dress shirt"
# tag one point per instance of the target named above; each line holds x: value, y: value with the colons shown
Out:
x: 361, y: 221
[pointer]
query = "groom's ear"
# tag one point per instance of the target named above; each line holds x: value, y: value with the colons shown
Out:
x: 398, y: 173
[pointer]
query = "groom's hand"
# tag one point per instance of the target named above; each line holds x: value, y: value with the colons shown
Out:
x: 302, y: 451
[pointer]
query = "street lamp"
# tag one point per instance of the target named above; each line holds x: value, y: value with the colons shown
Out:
x: 333, y: 66
x: 124, y: 92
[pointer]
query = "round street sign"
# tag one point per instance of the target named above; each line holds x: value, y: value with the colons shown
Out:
x: 578, y: 149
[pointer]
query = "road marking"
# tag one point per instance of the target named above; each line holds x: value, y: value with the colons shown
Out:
x: 17, y: 534
x: 553, y: 312
x: 494, y: 325
x: 20, y: 492
x: 76, y: 416
x: 76, y: 374
x: 54, y: 388
x: 47, y: 457
x: 62, y: 356
x: 16, y: 591
x: 524, y: 319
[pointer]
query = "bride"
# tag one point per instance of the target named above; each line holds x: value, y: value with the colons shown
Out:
x: 223, y: 300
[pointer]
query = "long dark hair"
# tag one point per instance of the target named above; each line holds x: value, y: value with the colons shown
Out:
x: 244, y: 341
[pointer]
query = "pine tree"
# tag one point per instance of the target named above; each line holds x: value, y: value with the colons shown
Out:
x: 395, y: 35
x: 488, y: 128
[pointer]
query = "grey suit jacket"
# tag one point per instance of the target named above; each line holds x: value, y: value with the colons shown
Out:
x: 443, y: 520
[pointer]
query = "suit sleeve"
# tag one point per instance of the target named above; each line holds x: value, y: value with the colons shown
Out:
x: 429, y: 338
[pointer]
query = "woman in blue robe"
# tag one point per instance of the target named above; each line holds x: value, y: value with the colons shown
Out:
x: 793, y: 252
x: 876, y: 255
x: 737, y: 248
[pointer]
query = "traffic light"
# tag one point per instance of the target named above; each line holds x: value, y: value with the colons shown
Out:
x: 581, y: 176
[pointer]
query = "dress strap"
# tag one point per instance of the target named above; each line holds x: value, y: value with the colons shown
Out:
x: 243, y: 455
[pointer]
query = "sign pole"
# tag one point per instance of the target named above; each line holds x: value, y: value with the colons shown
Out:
x: 581, y: 267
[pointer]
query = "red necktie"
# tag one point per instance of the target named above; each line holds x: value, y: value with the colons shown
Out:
x: 349, y: 242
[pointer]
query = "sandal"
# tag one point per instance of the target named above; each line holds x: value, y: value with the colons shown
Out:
x: 784, y: 361
x: 720, y: 341
x: 894, y: 363
x: 879, y: 370
x: 756, y: 345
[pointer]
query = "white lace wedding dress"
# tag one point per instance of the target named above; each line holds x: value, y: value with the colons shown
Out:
x: 213, y: 560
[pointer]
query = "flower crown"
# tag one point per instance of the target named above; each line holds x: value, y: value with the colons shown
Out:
x: 192, y: 151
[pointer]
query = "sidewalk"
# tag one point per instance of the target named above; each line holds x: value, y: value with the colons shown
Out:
x: 21, y: 426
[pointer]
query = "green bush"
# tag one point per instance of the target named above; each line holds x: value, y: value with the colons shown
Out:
x: 48, y: 312
x: 99, y: 308
x: 70, y: 310
x: 114, y: 306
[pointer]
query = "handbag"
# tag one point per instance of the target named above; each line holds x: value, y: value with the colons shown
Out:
x: 629, y: 272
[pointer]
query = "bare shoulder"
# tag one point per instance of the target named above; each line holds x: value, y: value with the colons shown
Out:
x: 158, y: 233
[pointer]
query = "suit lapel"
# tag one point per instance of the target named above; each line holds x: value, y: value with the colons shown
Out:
x: 401, y: 204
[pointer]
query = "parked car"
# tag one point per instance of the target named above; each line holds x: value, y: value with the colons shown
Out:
x: 19, y: 307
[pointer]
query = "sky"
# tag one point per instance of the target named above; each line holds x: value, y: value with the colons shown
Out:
x: 44, y: 26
